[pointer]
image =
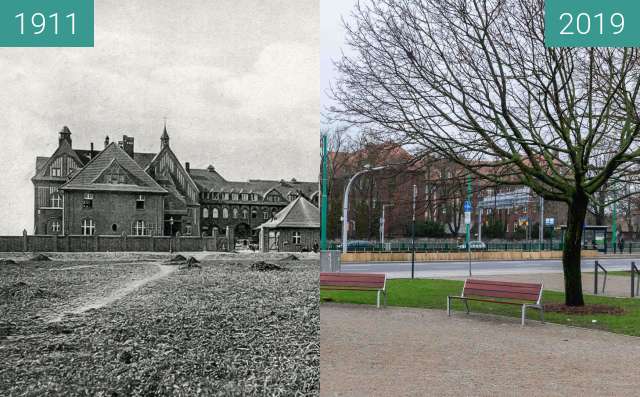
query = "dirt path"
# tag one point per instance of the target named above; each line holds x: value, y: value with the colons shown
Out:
x: 366, y: 351
x: 163, y: 271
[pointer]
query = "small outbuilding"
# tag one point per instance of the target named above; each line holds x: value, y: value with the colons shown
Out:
x: 296, y: 228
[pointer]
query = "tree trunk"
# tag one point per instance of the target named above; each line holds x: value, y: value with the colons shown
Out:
x: 572, y: 250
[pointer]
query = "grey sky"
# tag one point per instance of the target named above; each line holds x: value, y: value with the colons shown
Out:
x: 332, y: 37
x: 237, y: 80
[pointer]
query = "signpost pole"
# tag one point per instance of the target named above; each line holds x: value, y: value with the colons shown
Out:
x: 614, y: 227
x: 467, y: 219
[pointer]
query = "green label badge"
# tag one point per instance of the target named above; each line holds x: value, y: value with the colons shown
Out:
x: 46, y: 23
x: 592, y: 23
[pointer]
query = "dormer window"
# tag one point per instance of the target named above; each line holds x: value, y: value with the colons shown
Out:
x: 140, y: 202
x: 56, y: 171
x: 245, y: 197
x: 234, y: 197
x: 88, y: 200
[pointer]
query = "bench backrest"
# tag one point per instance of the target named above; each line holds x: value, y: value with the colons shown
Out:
x: 525, y: 292
x: 354, y: 281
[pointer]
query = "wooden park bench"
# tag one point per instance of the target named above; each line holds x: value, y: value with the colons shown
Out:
x: 355, y: 282
x: 503, y: 292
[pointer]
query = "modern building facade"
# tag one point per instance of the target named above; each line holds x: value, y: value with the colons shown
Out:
x: 117, y: 190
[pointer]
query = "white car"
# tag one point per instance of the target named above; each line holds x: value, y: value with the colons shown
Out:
x: 474, y: 245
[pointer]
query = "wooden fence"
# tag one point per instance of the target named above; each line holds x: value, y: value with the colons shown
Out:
x: 123, y: 243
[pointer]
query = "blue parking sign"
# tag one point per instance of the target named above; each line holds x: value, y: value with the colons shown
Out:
x: 467, y: 206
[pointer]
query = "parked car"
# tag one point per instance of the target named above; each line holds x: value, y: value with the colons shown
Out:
x: 474, y: 245
x: 357, y: 245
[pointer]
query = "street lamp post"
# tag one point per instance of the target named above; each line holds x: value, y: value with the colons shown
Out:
x: 171, y: 235
x: 382, y: 222
x: 345, y: 204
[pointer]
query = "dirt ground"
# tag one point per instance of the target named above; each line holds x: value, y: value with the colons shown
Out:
x: 415, y: 352
x: 139, y: 326
x: 617, y: 286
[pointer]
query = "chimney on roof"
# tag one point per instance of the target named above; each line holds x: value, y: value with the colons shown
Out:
x: 65, y: 135
x: 91, y: 152
x: 106, y: 141
x: 127, y: 144
x: 211, y: 168
x: 187, y: 167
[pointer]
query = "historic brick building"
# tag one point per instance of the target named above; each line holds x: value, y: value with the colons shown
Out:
x: 295, y: 228
x: 118, y: 190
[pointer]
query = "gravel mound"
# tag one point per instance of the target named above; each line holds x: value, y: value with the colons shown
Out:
x: 290, y: 258
x: 263, y: 266
x: 178, y: 258
x: 191, y: 263
x: 7, y: 262
x: 23, y: 291
x: 40, y: 258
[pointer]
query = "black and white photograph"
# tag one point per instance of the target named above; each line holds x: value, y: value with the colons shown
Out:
x: 161, y: 222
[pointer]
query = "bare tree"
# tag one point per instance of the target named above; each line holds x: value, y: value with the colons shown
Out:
x: 472, y: 81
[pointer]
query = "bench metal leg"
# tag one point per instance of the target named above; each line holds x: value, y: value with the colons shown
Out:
x: 378, y: 301
x: 542, y: 314
x: 385, y: 298
x: 524, y: 310
x: 466, y: 304
x: 449, y: 306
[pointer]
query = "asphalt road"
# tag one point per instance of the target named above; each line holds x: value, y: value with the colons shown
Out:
x: 485, y: 268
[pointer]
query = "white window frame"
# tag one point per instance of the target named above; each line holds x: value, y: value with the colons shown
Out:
x: 225, y: 213
x: 56, y: 226
x: 215, y: 214
x: 140, y: 228
x: 297, y: 237
x: 205, y: 213
x: 88, y: 227
x: 141, y: 199
x: 56, y: 200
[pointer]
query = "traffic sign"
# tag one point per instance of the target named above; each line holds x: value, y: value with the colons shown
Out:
x: 467, y: 206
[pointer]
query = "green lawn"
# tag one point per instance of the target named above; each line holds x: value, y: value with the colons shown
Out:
x: 432, y: 294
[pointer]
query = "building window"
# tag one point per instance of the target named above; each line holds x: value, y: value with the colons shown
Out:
x: 293, y: 196
x: 140, y: 202
x: 245, y: 197
x: 245, y: 214
x: 225, y: 213
x: 235, y: 213
x: 273, y: 213
x: 296, y: 237
x: 139, y: 228
x: 215, y: 195
x: 56, y: 201
x: 188, y: 230
x: 88, y: 200
x: 265, y: 215
x: 56, y: 171
x: 88, y: 227
x: 234, y: 197
x: 55, y: 226
x: 214, y: 213
x: 205, y: 213
x: 114, y: 228
x: 254, y: 214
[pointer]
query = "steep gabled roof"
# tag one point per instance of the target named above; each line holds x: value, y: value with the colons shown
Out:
x: 300, y: 213
x: 86, y: 179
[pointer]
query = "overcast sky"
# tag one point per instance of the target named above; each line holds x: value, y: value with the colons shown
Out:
x: 237, y: 80
x: 332, y: 37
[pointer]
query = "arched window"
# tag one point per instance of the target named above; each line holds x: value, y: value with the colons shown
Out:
x: 55, y: 226
x: 88, y: 227
x: 245, y: 214
x: 273, y: 213
x: 205, y: 213
x: 235, y: 213
x: 225, y: 213
x: 214, y: 213
x: 254, y: 214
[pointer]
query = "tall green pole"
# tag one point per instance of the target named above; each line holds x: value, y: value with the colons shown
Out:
x: 323, y: 205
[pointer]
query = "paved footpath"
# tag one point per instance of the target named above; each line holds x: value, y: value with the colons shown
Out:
x: 416, y: 352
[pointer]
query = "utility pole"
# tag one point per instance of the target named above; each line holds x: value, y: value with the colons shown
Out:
x: 467, y: 219
x: 614, y: 228
x: 323, y: 205
x: 413, y: 233
x: 382, y: 222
